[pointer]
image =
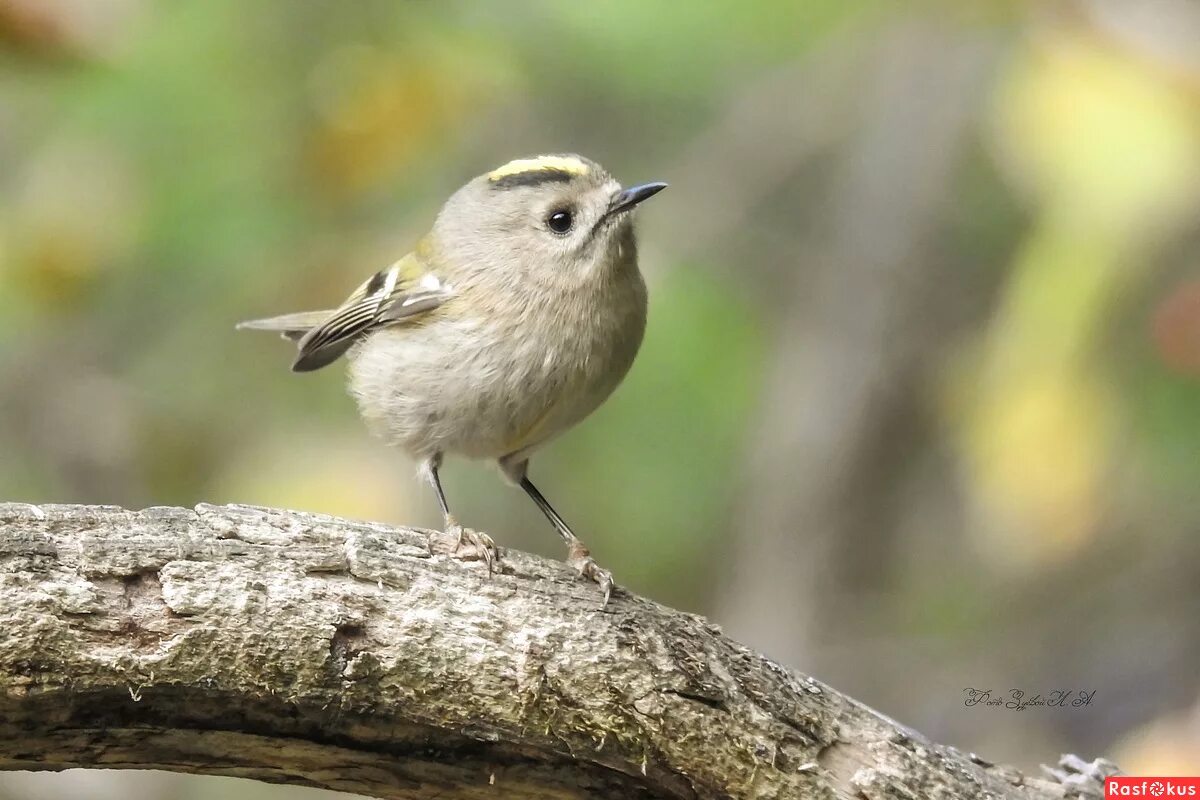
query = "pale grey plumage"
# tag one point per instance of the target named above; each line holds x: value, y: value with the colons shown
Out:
x: 499, y: 331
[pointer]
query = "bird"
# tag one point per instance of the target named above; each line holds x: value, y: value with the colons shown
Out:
x: 512, y: 320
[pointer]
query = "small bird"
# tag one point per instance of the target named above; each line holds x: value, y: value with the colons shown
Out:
x: 511, y: 321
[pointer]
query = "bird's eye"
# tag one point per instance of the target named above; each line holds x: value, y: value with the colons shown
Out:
x: 560, y: 221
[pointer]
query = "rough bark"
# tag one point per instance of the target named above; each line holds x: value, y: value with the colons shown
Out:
x: 304, y: 649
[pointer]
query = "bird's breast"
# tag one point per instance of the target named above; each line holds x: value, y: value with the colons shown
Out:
x: 486, y: 380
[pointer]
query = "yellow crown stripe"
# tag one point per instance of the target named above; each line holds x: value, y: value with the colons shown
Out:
x: 522, y: 165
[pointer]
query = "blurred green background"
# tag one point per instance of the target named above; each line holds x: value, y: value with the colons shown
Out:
x: 919, y: 403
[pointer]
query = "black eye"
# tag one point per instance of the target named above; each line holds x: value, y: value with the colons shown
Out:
x: 560, y: 221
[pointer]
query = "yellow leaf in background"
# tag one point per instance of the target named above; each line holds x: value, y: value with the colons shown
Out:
x: 1033, y: 422
x: 1102, y: 138
x: 55, y: 269
x: 78, y: 211
x: 1056, y: 300
x: 1108, y: 147
x: 1037, y: 449
x: 381, y: 110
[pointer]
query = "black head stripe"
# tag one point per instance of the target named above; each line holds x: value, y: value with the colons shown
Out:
x: 532, y: 177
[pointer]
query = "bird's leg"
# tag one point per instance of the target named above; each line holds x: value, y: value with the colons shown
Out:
x: 459, y: 541
x: 578, y: 556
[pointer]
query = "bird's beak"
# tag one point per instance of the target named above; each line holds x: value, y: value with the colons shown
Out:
x: 628, y: 198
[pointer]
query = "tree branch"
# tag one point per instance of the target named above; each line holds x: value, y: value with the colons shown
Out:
x: 304, y: 649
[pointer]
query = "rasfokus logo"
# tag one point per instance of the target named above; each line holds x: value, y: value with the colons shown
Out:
x: 1130, y: 786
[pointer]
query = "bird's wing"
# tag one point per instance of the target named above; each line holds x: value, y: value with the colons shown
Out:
x: 290, y: 326
x: 404, y: 290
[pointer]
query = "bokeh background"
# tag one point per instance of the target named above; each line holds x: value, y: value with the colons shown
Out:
x: 919, y: 404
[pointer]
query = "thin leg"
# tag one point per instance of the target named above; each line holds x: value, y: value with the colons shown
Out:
x: 578, y: 555
x: 466, y: 542
x: 560, y: 524
x: 430, y: 468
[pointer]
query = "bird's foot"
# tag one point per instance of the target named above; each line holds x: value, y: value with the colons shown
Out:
x: 581, y: 559
x: 465, y: 543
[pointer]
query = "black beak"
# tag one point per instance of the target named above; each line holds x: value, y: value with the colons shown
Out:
x: 630, y: 197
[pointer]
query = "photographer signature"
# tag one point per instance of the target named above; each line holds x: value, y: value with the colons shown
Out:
x: 1019, y: 700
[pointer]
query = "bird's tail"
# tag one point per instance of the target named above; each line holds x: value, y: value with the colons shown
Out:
x: 290, y: 326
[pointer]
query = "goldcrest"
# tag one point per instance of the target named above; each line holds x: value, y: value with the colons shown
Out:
x: 512, y: 320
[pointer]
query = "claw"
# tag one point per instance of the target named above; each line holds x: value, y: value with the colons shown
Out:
x: 579, y: 558
x: 467, y: 544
